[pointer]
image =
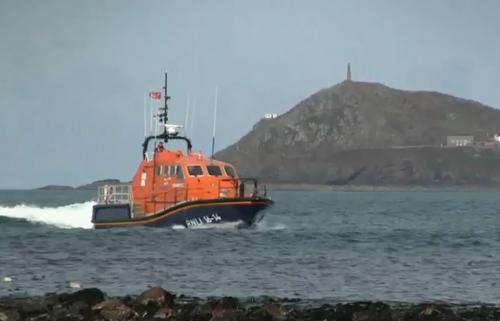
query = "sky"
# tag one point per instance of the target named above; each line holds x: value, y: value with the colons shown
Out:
x: 74, y: 74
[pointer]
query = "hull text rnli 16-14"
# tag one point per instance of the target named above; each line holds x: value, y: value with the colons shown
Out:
x: 173, y: 187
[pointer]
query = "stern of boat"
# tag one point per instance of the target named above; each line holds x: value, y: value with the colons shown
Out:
x: 113, y: 203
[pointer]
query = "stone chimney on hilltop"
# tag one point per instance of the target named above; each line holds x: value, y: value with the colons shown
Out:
x: 348, y: 72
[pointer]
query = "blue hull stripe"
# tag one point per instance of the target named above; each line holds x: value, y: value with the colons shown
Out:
x: 200, y: 212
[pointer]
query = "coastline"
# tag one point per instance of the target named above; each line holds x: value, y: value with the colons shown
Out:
x: 380, y: 188
x: 272, y: 186
x: 159, y: 304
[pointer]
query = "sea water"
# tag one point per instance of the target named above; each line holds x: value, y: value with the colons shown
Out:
x: 395, y: 246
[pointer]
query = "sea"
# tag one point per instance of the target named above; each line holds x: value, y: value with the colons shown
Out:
x: 404, y: 246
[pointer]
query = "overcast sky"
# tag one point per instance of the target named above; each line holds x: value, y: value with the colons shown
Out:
x: 73, y: 74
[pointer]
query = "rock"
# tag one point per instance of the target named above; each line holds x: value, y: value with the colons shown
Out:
x: 363, y: 311
x: 225, y: 303
x: 259, y: 314
x: 9, y: 315
x: 276, y: 310
x: 228, y: 315
x: 430, y: 312
x: 90, y: 304
x: 26, y: 307
x: 482, y: 313
x: 195, y: 312
x: 325, y: 312
x: 157, y: 296
x: 71, y: 311
x: 91, y: 296
x: 151, y: 300
x: 61, y: 314
x: 114, y: 309
x: 164, y: 313
x: 227, y: 309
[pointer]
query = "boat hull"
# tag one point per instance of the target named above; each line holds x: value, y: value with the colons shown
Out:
x: 191, y: 214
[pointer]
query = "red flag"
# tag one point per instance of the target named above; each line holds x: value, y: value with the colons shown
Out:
x: 155, y: 94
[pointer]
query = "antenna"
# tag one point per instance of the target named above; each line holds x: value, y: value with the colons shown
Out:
x: 150, y: 116
x: 215, y: 120
x: 193, y: 110
x: 163, y: 115
x: 186, y: 119
x: 144, y: 110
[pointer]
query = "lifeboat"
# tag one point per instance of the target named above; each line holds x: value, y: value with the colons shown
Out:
x: 173, y: 187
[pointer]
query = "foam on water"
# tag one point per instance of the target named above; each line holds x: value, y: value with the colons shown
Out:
x: 76, y: 215
x: 266, y: 226
x: 229, y: 225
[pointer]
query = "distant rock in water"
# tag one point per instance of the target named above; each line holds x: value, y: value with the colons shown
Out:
x: 91, y: 186
x: 368, y: 133
x: 55, y: 188
x: 96, y: 184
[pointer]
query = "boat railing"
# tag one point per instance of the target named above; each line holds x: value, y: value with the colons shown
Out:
x: 179, y: 195
x: 242, y: 187
x: 121, y: 194
x: 149, y: 156
x: 239, y: 188
x: 113, y: 194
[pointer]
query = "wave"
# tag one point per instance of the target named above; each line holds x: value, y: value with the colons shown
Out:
x: 76, y: 215
x: 264, y: 226
x: 229, y: 225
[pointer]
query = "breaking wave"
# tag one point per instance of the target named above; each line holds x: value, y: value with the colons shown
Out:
x: 76, y: 215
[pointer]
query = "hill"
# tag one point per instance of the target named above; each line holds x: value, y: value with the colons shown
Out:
x: 90, y: 186
x: 368, y: 133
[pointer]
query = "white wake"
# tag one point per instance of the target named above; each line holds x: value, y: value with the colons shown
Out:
x: 70, y: 216
x: 264, y: 226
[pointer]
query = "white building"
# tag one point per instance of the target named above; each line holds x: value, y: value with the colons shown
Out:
x: 270, y: 116
x: 459, y: 141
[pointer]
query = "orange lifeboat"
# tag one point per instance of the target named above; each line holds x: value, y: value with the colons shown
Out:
x: 172, y: 187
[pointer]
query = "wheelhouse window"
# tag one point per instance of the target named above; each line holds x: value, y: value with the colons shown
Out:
x: 173, y: 170
x: 195, y: 170
x: 229, y: 171
x: 179, y: 173
x: 170, y: 170
x: 214, y: 170
x: 158, y: 170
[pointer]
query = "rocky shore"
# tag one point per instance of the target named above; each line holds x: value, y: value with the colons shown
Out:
x: 159, y: 304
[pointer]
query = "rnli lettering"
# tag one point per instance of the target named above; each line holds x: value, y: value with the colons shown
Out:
x: 206, y: 219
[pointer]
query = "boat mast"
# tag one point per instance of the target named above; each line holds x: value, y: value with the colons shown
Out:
x: 163, y: 119
x: 215, y: 121
x: 164, y: 110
